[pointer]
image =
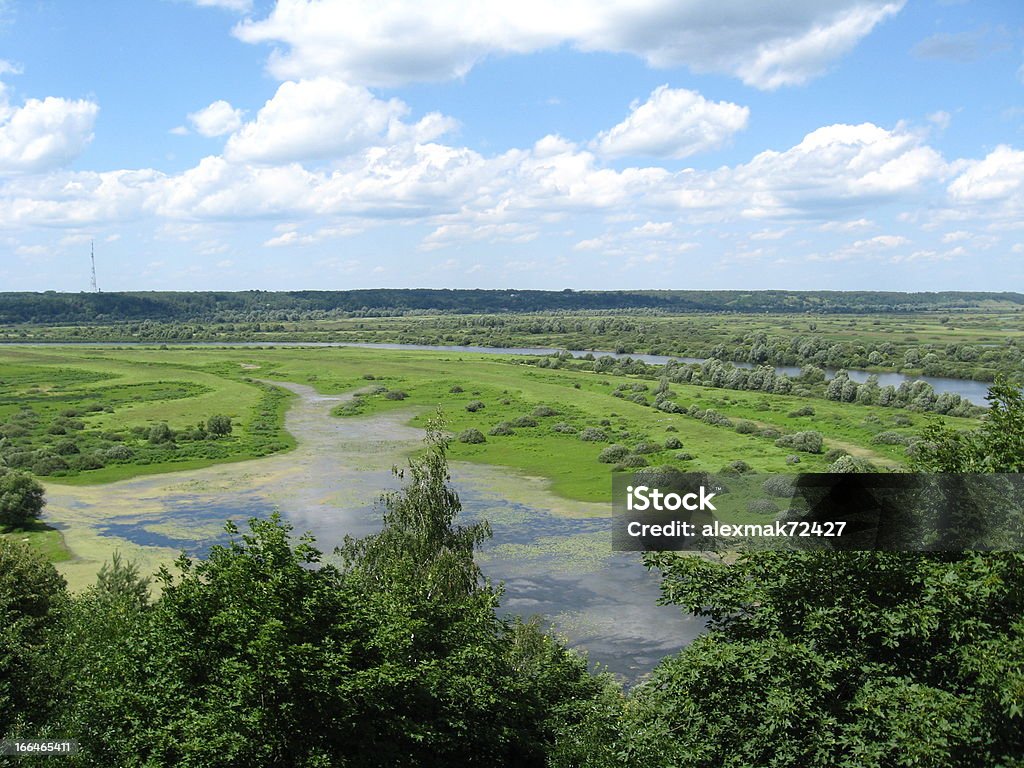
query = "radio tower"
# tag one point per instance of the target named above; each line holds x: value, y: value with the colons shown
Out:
x: 92, y: 258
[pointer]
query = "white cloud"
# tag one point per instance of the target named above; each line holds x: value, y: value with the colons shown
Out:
x: 672, y: 123
x: 766, y: 45
x: 239, y: 6
x: 43, y: 134
x: 998, y: 175
x: 322, y: 118
x: 216, y: 120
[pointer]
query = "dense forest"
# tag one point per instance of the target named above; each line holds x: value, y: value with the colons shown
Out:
x: 51, y: 307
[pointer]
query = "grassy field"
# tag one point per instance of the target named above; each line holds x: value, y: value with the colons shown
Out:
x: 117, y: 396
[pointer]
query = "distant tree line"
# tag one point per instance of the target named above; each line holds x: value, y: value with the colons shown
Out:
x: 52, y: 307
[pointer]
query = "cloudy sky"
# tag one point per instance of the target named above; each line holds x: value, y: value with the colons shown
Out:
x: 331, y: 144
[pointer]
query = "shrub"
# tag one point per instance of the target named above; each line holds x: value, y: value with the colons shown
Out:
x: 808, y: 442
x: 472, y: 436
x: 504, y: 428
x: 543, y: 411
x: 711, y: 416
x: 806, y: 410
x: 87, y: 461
x: 847, y: 464
x: 524, y: 421
x: 563, y: 428
x: 66, y: 448
x: 769, y: 433
x: 778, y: 486
x: 745, y: 427
x: 613, y: 453
x: 219, y: 425
x: 891, y: 438
x: 396, y: 394
x: 160, y: 433
x: 762, y: 507
x: 592, y: 434
x: 638, y: 398
x: 672, y: 443
x: 475, y: 405
x: 671, y: 428
x: 21, y: 499
x: 631, y: 462
x: 118, y: 453
x: 455, y: 390
x: 48, y: 465
x: 646, y: 447
x: 835, y: 453
x: 684, y: 456
x: 737, y: 467
x: 792, y: 459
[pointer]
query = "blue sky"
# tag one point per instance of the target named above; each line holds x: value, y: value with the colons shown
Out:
x: 237, y: 144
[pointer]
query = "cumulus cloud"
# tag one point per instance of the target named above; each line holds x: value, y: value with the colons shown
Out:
x: 217, y: 119
x: 325, y: 117
x: 673, y: 122
x: 766, y: 45
x: 42, y: 134
x: 998, y: 175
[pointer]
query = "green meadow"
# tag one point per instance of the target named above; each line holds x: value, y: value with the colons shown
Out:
x: 94, y: 415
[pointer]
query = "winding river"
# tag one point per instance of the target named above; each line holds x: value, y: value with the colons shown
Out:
x: 553, y: 555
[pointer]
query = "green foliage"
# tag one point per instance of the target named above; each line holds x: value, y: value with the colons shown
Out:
x: 32, y: 594
x: 121, y: 581
x: 219, y: 425
x: 809, y: 441
x: 998, y: 446
x: 21, y: 499
x: 472, y: 436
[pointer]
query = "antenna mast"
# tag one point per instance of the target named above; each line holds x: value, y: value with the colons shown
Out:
x: 92, y: 258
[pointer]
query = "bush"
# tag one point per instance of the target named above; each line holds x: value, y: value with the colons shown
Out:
x: 87, y: 461
x: 613, y: 454
x: 684, y: 456
x: 563, y: 428
x: 118, y: 453
x: 737, y: 467
x: 808, y: 442
x: 762, y: 507
x: 66, y: 448
x: 672, y: 443
x: 646, y: 447
x: 21, y: 499
x: 543, y: 411
x: 769, y: 433
x: 524, y: 421
x: 849, y: 464
x: 475, y: 405
x: 891, y: 438
x: 745, y: 427
x: 792, y: 459
x: 835, y: 453
x: 219, y: 425
x: 503, y: 429
x: 592, y: 435
x: 631, y: 462
x: 806, y: 410
x: 455, y: 390
x: 778, y: 486
x: 160, y: 433
x: 472, y: 436
x: 49, y: 465
x: 396, y: 394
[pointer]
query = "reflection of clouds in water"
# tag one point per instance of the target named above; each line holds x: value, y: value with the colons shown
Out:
x: 551, y: 566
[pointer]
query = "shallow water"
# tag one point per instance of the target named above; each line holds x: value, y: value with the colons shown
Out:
x: 553, y: 555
